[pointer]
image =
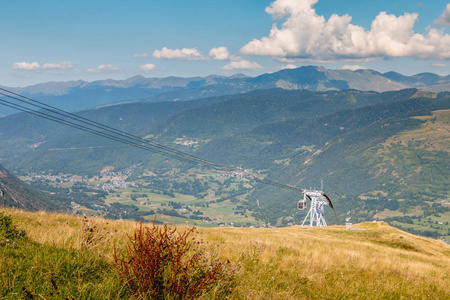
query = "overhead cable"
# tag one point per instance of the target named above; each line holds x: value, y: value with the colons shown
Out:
x: 93, y: 127
x: 107, y: 128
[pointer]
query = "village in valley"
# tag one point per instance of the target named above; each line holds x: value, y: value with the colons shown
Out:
x: 203, y: 198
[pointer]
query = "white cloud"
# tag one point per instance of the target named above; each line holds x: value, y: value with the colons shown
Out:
x: 55, y: 68
x: 289, y: 66
x: 26, y: 66
x: 220, y: 53
x: 444, y: 19
x: 147, y: 67
x: 141, y: 55
x: 59, y: 65
x: 291, y: 60
x: 439, y: 65
x: 179, y: 54
x: 242, y: 65
x: 353, y: 67
x: 306, y: 35
x: 235, y: 62
x: 104, y: 69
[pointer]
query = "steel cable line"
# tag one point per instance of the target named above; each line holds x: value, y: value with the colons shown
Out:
x: 107, y: 128
x: 120, y: 136
x: 86, y: 129
x: 277, y: 184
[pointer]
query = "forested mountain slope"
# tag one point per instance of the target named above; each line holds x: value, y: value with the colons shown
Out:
x: 385, y: 152
x: 16, y: 193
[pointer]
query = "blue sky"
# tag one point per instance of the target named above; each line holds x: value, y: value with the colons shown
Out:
x: 69, y: 40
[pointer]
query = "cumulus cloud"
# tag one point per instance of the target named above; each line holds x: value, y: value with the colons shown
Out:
x: 141, y: 55
x: 289, y: 66
x: 33, y: 66
x: 147, y: 67
x: 242, y: 65
x: 353, y: 67
x: 59, y: 65
x: 220, y: 53
x: 444, y: 19
x: 306, y: 35
x: 179, y: 54
x: 104, y: 69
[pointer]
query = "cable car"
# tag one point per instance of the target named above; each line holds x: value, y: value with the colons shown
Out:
x: 302, y: 204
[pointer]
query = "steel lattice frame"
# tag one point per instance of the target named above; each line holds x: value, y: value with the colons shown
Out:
x: 318, y: 201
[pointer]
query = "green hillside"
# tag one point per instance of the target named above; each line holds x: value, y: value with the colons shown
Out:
x: 15, y: 193
x: 385, y: 152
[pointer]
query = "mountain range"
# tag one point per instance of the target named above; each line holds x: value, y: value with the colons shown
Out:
x: 375, y: 151
x: 77, y: 95
x: 380, y: 154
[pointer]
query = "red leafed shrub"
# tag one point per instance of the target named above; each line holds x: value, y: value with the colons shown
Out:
x: 163, y: 263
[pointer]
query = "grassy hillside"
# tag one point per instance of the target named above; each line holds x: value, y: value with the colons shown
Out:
x: 373, y: 260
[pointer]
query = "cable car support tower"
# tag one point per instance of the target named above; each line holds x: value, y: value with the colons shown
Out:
x: 318, y: 201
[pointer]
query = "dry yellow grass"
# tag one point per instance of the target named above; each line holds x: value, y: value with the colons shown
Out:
x: 372, y: 261
x: 377, y: 262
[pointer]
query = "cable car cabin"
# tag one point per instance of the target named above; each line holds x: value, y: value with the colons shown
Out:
x: 302, y: 204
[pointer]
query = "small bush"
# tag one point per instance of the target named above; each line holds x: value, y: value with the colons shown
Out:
x: 163, y: 263
x: 8, y: 230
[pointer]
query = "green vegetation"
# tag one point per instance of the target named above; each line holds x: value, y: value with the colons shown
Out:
x: 29, y: 269
x: 16, y: 193
x: 8, y: 230
x: 380, y: 155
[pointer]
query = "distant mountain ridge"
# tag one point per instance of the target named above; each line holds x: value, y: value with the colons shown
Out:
x: 61, y: 88
x: 78, y: 95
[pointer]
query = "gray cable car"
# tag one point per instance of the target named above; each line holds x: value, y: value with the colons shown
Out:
x: 302, y: 204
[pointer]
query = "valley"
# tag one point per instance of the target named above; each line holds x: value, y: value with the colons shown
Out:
x: 381, y: 156
x: 198, y: 197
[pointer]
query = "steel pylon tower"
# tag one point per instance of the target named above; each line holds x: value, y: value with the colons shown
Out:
x: 318, y: 201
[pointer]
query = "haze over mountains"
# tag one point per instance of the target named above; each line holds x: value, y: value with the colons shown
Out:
x: 77, y: 95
